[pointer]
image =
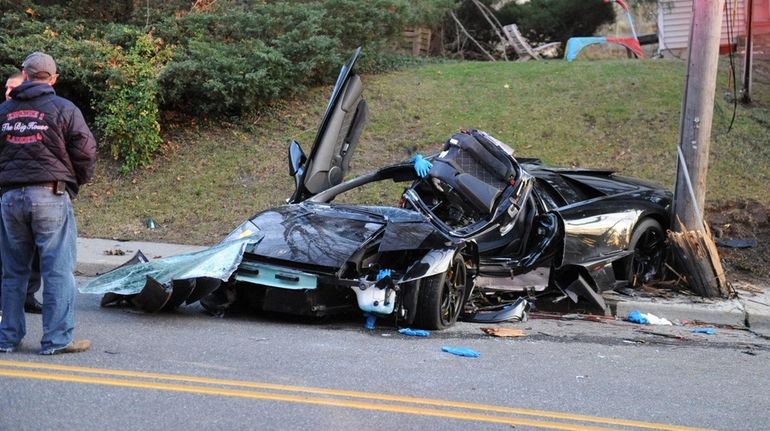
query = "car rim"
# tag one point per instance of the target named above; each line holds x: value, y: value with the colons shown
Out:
x: 452, y: 293
x: 647, y: 256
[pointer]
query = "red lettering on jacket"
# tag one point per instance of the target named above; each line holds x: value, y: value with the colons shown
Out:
x: 25, y: 113
x: 23, y: 139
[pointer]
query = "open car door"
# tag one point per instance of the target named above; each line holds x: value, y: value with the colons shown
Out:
x: 329, y: 158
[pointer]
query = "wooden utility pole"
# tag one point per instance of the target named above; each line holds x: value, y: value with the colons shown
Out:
x: 699, y: 256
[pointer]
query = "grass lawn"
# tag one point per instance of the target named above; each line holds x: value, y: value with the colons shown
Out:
x: 619, y: 114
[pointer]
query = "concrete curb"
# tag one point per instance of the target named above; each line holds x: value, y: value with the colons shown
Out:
x: 757, y: 307
x: 727, y: 312
x: 750, y: 310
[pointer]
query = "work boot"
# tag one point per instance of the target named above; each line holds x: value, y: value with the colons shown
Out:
x: 33, y: 306
x: 75, y: 346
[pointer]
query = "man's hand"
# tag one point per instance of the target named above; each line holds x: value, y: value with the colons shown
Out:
x: 421, y: 165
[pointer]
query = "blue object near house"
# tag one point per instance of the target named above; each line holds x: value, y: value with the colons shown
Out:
x: 576, y: 44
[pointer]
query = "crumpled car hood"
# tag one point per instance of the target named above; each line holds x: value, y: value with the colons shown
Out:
x: 314, y: 234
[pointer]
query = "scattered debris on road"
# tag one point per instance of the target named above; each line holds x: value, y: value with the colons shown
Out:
x: 461, y: 351
x: 414, y: 332
x: 504, y: 332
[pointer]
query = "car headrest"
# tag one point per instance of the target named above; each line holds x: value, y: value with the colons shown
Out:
x: 484, y: 152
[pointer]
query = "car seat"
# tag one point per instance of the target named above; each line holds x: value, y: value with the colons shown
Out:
x: 474, y: 168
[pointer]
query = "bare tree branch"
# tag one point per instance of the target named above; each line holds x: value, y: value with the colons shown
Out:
x: 485, y: 12
x: 471, y: 37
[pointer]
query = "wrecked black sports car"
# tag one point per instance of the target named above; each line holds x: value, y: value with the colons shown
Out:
x: 478, y: 226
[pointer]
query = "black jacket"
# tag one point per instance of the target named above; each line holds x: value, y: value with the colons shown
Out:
x: 44, y: 138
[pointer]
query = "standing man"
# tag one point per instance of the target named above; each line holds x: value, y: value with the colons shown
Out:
x: 46, y: 153
x: 13, y: 81
x: 31, y: 304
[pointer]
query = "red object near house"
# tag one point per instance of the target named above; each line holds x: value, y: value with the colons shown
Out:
x: 631, y: 43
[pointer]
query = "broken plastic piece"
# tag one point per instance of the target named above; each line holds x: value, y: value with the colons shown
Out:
x: 655, y: 320
x: 707, y: 331
x: 414, y: 332
x: 636, y: 317
x: 516, y: 312
x: 153, y: 297
x: 737, y: 243
x: 151, y: 223
x: 461, y: 351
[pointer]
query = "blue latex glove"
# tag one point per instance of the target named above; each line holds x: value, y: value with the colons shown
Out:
x: 414, y: 332
x: 370, y: 319
x: 384, y: 273
x: 636, y: 317
x: 461, y: 351
x: 421, y: 165
x: 707, y: 331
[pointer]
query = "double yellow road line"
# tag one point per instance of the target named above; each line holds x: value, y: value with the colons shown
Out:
x: 323, y: 397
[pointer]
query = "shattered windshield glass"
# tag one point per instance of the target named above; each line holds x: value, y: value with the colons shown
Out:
x: 218, y: 262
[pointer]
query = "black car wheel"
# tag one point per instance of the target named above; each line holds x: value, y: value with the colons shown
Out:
x: 442, y: 296
x: 648, y: 244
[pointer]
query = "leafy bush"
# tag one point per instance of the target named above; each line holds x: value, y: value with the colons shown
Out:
x: 114, y: 86
x: 120, y: 60
x: 216, y: 78
x: 243, y: 56
x: 129, y: 111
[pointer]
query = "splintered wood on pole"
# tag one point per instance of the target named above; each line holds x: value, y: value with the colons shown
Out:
x: 696, y: 254
x: 691, y: 240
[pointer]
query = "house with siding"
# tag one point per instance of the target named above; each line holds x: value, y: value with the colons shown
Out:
x: 675, y: 16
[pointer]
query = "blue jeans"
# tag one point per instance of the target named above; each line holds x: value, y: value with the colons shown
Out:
x: 34, y: 216
x: 34, y: 281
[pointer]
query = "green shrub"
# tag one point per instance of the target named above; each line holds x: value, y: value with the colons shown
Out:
x: 211, y: 77
x: 116, y: 87
x: 241, y: 56
x: 120, y: 60
x: 128, y: 109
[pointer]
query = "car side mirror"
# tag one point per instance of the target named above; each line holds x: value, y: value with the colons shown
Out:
x: 297, y: 159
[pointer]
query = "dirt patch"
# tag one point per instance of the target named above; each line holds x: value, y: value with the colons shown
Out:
x: 743, y: 220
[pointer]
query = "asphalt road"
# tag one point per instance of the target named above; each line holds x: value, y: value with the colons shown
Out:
x: 187, y: 370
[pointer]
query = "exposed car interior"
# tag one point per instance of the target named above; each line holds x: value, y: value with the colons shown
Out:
x: 466, y: 180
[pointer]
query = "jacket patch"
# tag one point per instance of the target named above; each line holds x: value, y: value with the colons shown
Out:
x: 23, y: 128
x: 24, y: 139
x: 26, y: 113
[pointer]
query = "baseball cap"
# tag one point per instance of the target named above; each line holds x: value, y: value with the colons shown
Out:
x: 38, y: 62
